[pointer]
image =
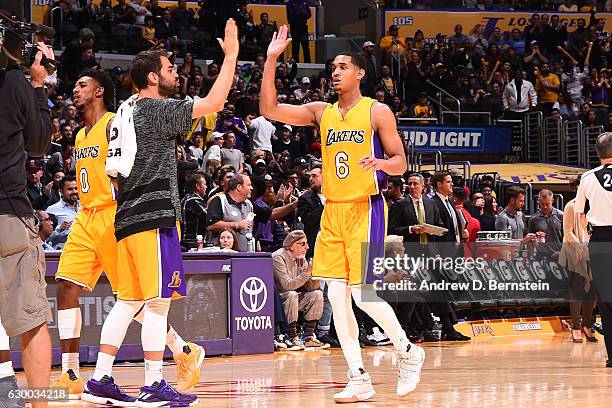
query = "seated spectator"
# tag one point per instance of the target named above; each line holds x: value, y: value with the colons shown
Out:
x: 193, y: 207
x: 227, y: 240
x: 65, y: 160
x: 221, y: 178
x: 65, y: 211
x: 34, y: 188
x: 45, y: 228
x: 302, y: 94
x: 299, y: 293
x: 52, y: 189
x: 148, y: 33
x: 195, y: 149
x: 156, y: 10
x: 286, y: 142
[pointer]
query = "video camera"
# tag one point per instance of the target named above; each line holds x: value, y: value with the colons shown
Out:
x: 15, y: 50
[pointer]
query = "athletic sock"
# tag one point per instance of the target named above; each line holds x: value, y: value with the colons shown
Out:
x: 70, y: 361
x: 153, y: 371
x: 6, y: 369
x: 292, y: 330
x: 104, y: 366
x: 175, y: 342
x: 309, y: 328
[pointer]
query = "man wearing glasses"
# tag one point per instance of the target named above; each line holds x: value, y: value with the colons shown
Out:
x: 45, y: 228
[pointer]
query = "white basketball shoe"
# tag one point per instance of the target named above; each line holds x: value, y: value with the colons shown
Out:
x: 359, y: 387
x: 410, y: 363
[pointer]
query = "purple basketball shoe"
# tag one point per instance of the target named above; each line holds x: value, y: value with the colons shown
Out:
x: 161, y: 394
x: 106, y: 392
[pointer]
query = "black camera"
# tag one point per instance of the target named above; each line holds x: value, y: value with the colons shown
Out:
x: 15, y: 50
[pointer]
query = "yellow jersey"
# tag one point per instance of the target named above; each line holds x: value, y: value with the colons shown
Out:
x: 95, y: 187
x: 345, y: 141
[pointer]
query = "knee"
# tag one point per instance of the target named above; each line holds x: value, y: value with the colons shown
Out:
x: 317, y: 297
x: 68, y: 294
x: 160, y: 306
x: 291, y: 297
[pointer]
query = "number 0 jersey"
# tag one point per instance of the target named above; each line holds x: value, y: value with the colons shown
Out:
x: 344, y: 142
x: 95, y: 187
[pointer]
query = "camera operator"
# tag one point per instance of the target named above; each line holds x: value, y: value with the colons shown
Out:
x: 24, y: 310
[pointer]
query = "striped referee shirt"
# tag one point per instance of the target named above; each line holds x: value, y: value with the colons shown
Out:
x: 149, y: 198
x: 594, y: 196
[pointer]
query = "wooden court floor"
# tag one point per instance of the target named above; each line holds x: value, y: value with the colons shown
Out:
x: 527, y: 371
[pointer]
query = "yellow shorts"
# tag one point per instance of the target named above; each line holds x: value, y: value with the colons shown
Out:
x: 352, y: 235
x: 91, y: 249
x: 151, y: 265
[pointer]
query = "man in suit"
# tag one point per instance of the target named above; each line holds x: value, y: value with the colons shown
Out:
x: 406, y: 214
x: 455, y: 223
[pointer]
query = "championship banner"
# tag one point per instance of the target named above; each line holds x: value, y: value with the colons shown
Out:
x: 432, y: 23
x: 458, y: 139
x: 278, y: 13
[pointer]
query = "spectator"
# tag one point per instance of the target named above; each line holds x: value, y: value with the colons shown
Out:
x: 264, y: 31
x: 156, y: 10
x: 387, y: 83
x: 34, y: 188
x: 391, y: 48
x: 148, y: 33
x: 516, y: 41
x: 310, y: 208
x: 422, y: 109
x: 519, y: 96
x: 140, y: 12
x: 568, y: 6
x: 302, y: 94
x: 228, y: 122
x: 52, y: 189
x: 182, y: 17
x: 227, y: 240
x: 124, y: 14
x: 193, y: 207
x: 548, y: 87
x: 458, y: 37
x: 298, y: 14
x: 263, y: 189
x: 512, y: 218
x: 222, y: 177
x: 286, y: 142
x: 230, y: 155
x: 65, y: 160
x: 45, y: 228
x: 68, y: 69
x: 262, y: 132
x: 394, y: 191
x: 299, y: 293
x: 368, y: 84
x: 65, y: 211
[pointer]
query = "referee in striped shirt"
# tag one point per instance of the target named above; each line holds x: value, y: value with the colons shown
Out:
x: 594, y: 198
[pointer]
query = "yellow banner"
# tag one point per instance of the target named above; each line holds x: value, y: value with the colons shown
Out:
x: 278, y: 13
x: 433, y: 22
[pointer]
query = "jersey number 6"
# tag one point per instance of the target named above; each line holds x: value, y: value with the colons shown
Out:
x: 342, y: 169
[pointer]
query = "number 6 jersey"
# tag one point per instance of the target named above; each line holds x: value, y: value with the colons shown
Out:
x: 345, y: 141
x: 95, y: 187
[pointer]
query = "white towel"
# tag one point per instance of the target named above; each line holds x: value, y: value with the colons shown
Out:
x: 122, y: 146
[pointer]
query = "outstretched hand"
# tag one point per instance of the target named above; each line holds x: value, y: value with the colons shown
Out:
x: 279, y: 42
x: 229, y: 44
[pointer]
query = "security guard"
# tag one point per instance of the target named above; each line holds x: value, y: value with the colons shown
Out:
x: 594, y: 198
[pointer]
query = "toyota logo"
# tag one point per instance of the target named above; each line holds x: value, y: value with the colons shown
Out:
x: 253, y: 294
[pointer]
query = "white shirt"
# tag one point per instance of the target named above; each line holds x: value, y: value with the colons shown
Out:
x: 529, y: 97
x: 416, y: 208
x: 453, y: 213
x: 140, y: 9
x: 262, y: 133
x: 596, y: 188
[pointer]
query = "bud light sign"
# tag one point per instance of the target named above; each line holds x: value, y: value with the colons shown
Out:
x: 458, y: 139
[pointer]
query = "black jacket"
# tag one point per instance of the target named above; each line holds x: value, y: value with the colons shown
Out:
x: 447, y: 221
x: 26, y: 127
x: 402, y: 216
x: 194, y: 217
x: 310, y: 208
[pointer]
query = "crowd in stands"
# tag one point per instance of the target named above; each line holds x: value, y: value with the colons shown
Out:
x: 248, y: 184
x: 563, y: 6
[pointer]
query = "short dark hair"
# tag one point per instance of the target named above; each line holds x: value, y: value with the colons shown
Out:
x: 397, y: 182
x: 66, y: 142
x: 459, y: 192
x: 514, y: 192
x: 356, y: 58
x: 144, y: 63
x: 235, y: 181
x: 65, y: 180
x: 104, y: 80
x: 438, y: 177
x: 192, y: 180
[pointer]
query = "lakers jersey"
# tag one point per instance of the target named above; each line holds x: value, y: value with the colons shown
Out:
x: 345, y: 141
x: 95, y: 188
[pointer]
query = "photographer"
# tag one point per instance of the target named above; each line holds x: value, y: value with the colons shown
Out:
x: 24, y: 309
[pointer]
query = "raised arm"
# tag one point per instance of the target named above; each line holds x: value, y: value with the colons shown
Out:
x: 215, y: 99
x: 302, y: 115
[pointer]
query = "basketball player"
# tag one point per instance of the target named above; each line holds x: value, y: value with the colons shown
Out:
x: 91, y: 247
x: 356, y: 133
x: 148, y: 211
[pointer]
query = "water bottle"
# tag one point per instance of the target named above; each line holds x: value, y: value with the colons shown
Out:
x: 250, y: 242
x: 199, y: 243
